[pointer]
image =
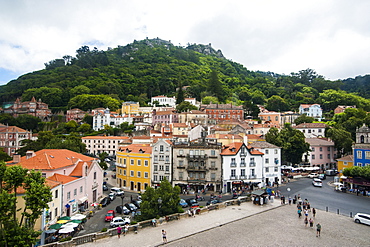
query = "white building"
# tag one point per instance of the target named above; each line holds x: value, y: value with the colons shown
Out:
x: 102, y: 117
x: 164, y: 100
x: 311, y: 110
x: 96, y: 145
x: 312, y: 130
x: 161, y: 162
x: 271, y: 161
x: 241, y: 164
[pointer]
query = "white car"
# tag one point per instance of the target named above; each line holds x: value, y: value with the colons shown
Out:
x: 317, y: 182
x: 117, y: 191
x: 119, y: 221
x: 362, y: 218
x: 313, y: 175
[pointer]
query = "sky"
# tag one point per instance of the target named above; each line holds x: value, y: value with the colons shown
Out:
x: 331, y: 37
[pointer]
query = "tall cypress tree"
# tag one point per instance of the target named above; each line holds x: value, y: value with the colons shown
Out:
x: 180, y: 95
x: 215, y: 86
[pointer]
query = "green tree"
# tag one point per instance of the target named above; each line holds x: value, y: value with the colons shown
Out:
x: 215, y: 86
x: 84, y: 128
x: 185, y: 106
x: 180, y: 95
x: 341, y: 138
x: 209, y: 99
x: 87, y: 101
x: 276, y: 103
x: 161, y: 201
x: 4, y: 156
x: 291, y: 141
x: 303, y: 119
x: 102, y: 163
x: 18, y: 229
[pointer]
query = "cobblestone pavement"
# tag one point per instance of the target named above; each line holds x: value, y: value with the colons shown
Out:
x: 249, y: 225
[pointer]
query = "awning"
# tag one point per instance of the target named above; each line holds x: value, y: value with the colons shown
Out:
x: 82, y: 200
x: 259, y: 192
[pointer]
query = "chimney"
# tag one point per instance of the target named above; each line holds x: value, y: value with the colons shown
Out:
x: 16, y: 158
x: 30, y: 154
x: 245, y: 140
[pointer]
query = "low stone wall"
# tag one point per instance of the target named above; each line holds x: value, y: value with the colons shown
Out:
x: 147, y: 223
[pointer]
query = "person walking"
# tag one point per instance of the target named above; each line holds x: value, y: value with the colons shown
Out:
x: 314, y: 212
x: 305, y: 222
x: 318, y: 230
x: 164, y: 236
x: 119, y: 231
x: 311, y: 222
x: 299, y: 213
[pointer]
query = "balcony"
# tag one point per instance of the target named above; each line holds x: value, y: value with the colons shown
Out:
x: 196, y: 157
x: 233, y: 177
x: 243, y: 164
x: 213, y: 168
x: 233, y: 164
x: 242, y: 177
x: 252, y: 164
x: 180, y: 167
x: 197, y: 168
x: 252, y: 176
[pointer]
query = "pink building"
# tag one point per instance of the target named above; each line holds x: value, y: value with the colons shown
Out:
x: 322, y: 154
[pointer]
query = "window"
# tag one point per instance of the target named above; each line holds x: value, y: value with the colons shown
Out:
x: 320, y: 156
x: 213, y: 152
x: 161, y: 167
x: 313, y: 156
x: 181, y: 151
x: 233, y: 172
x: 139, y: 174
x: 139, y: 162
x: 320, y: 149
x: 75, y: 192
x: 132, y: 173
x: 81, y: 189
x: 367, y: 155
x: 276, y: 169
x: 181, y: 175
x: 155, y: 177
x: 68, y: 195
x: 160, y: 178
x: 132, y: 162
x: 276, y: 151
x: 266, y: 160
x: 252, y: 172
x: 266, y: 151
x: 146, y: 163
x: 213, y: 176
x: 233, y: 163
x: 161, y: 148
x: 328, y: 149
x: 313, y: 149
x: 155, y: 149
x: 359, y: 154
x: 242, y: 172
x: 213, y: 164
x: 146, y: 175
x: 155, y: 158
x: 161, y: 157
x: 328, y: 156
x: 167, y: 158
x: 359, y: 164
x: 155, y: 168
x: 181, y: 163
x: 267, y: 169
x: 94, y: 175
x: 124, y: 161
x: 167, y: 168
x: 242, y: 161
x: 56, y: 193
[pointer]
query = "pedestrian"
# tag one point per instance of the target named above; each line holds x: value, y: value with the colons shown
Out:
x: 290, y: 200
x: 119, y: 231
x: 306, y: 212
x: 305, y: 222
x: 313, y: 212
x: 299, y: 213
x: 125, y: 229
x: 318, y: 230
x: 311, y: 222
x: 309, y: 206
x: 164, y: 236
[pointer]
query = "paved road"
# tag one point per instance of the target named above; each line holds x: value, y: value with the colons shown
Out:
x: 249, y: 225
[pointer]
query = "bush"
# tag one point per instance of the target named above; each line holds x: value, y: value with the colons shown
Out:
x: 66, y: 239
x: 133, y: 222
x: 104, y: 229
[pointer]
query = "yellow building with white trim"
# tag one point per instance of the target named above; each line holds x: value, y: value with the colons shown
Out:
x: 133, y: 167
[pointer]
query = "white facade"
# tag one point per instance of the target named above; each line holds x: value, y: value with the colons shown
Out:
x: 96, y: 145
x: 105, y: 117
x: 161, y: 162
x: 271, y: 161
x: 164, y: 100
x: 313, y: 110
x: 240, y: 165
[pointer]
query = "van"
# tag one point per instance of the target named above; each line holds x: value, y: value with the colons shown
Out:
x: 330, y: 172
x: 117, y: 191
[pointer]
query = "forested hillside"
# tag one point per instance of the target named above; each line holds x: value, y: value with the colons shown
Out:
x: 153, y: 67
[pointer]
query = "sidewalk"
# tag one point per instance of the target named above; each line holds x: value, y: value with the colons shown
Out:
x: 151, y: 236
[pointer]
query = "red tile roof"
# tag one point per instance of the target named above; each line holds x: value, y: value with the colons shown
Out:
x: 62, y: 178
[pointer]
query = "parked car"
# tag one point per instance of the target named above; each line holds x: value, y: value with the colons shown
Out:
x: 136, y: 203
x: 131, y: 207
x: 105, y: 201
x: 105, y: 187
x: 313, y: 175
x: 110, y: 215
x: 117, y: 191
x: 183, y: 203
x: 122, y: 210
x: 192, y: 202
x: 119, y: 221
x: 321, y: 176
x: 362, y: 218
x: 317, y: 182
x: 214, y: 201
x: 112, y: 196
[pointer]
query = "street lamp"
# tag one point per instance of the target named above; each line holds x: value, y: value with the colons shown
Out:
x: 122, y: 197
x: 159, y: 205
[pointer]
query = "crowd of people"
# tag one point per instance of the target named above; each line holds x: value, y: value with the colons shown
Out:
x: 305, y: 211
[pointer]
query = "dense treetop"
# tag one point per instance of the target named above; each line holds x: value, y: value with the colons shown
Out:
x: 154, y: 67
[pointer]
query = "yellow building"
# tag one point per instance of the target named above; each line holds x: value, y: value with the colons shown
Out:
x: 133, y: 167
x: 130, y: 107
x: 344, y: 162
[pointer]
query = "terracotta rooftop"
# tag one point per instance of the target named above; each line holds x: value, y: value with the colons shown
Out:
x: 105, y: 137
x: 263, y: 144
x: 49, y: 159
x: 318, y: 142
x: 62, y: 178
x: 137, y: 148
x: 310, y: 125
x: 346, y: 158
